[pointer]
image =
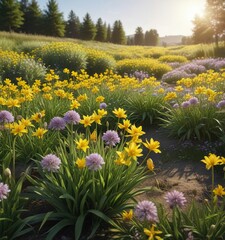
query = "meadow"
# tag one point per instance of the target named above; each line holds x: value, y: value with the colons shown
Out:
x: 74, y: 150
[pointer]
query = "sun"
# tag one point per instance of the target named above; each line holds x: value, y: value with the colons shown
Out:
x: 195, y: 9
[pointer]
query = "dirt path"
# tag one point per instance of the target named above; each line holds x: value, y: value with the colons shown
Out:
x: 177, y: 170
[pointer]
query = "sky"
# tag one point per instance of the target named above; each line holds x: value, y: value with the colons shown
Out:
x: 168, y: 17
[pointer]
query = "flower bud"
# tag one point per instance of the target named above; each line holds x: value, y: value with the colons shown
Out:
x: 7, y: 173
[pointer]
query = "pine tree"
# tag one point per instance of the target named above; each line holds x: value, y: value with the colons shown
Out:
x: 32, y: 18
x: 72, y: 26
x: 108, y: 33
x: 118, y: 34
x: 11, y: 17
x: 87, y: 30
x: 151, y: 37
x: 54, y: 24
x: 100, y: 31
x: 139, y: 36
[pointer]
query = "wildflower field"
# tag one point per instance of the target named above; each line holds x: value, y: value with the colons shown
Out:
x: 74, y: 149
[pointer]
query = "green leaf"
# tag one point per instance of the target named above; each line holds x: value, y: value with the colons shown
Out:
x: 58, y: 227
x: 101, y: 215
x: 79, y: 226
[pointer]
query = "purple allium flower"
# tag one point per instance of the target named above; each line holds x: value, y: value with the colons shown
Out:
x: 72, y: 117
x: 4, y: 190
x: 221, y: 104
x: 57, y: 123
x: 94, y: 161
x: 146, y: 210
x: 103, y: 105
x: 193, y: 101
x: 175, y: 105
x: 6, y: 116
x: 111, y: 138
x: 185, y: 104
x: 175, y: 198
x: 50, y: 163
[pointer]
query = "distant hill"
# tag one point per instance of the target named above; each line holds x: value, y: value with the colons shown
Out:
x: 167, y: 40
x: 170, y: 40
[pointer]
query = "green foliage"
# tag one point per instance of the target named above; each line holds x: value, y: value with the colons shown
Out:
x: 173, y: 58
x: 206, y: 220
x: 53, y: 20
x: 100, y: 31
x: 13, y: 65
x: 12, y: 225
x: 11, y: 17
x: 98, y: 61
x: 72, y: 26
x: 87, y: 30
x: 118, y: 34
x: 81, y: 197
x: 150, y: 66
x: 194, y: 122
x: 62, y: 55
x: 145, y: 107
x: 32, y: 17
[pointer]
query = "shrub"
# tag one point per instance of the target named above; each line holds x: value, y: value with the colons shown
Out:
x: 62, y: 55
x: 150, y: 66
x: 87, y: 181
x: 173, y: 58
x: 197, y: 122
x: 13, y: 65
x: 144, y: 107
x: 98, y: 61
x: 29, y: 46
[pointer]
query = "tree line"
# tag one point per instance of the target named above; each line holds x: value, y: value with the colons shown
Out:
x: 26, y: 16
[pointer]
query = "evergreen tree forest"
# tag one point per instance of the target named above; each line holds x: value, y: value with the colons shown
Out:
x: 25, y: 16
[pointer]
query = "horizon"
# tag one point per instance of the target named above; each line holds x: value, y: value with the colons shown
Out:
x: 168, y: 17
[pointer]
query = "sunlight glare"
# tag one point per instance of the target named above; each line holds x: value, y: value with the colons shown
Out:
x: 193, y: 10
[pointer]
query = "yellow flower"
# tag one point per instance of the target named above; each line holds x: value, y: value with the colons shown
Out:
x: 219, y: 191
x: 120, y: 113
x: 12, y: 103
x: 39, y: 132
x: 100, y: 99
x: 96, y: 118
x: 93, y: 136
x: 81, y: 163
x: 26, y: 122
x: 125, y: 125
x: 127, y: 215
x: 66, y: 70
x: 82, y: 144
x: 150, y: 164
x: 133, y: 150
x: 74, y: 104
x: 135, y: 132
x: 102, y: 112
x: 82, y: 97
x: 170, y: 95
x: 121, y: 160
x: 152, y: 145
x: 152, y: 233
x: 86, y: 121
x: 38, y: 116
x: 222, y: 159
x: 18, y: 129
x: 211, y: 160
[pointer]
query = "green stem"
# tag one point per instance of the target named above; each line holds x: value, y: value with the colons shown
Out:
x: 14, y: 158
x: 93, y: 183
x: 213, y: 179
